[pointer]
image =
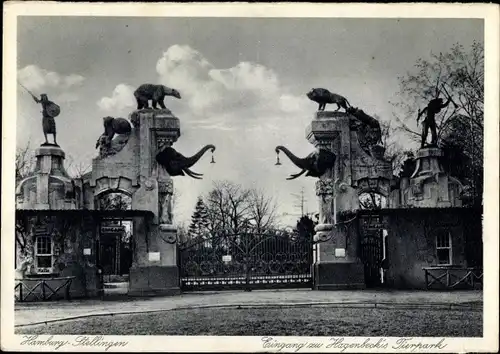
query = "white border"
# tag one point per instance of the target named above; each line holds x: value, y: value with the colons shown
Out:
x: 488, y: 12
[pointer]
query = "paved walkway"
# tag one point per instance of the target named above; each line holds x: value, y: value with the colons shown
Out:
x: 41, y: 312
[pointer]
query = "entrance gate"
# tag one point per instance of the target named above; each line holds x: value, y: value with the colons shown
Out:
x: 245, y: 261
x: 372, y: 249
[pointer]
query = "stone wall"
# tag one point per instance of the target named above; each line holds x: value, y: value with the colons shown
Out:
x: 412, y: 242
x: 71, y: 232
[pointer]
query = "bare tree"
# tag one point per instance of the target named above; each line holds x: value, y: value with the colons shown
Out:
x: 392, y: 150
x: 77, y: 169
x: 228, y: 206
x: 23, y: 238
x: 236, y: 209
x: 24, y: 161
x: 262, y: 211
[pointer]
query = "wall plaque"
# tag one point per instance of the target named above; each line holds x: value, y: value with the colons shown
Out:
x: 154, y: 256
x: 339, y: 252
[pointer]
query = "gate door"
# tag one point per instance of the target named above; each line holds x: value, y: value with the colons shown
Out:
x: 371, y: 254
x: 245, y: 261
x: 371, y: 245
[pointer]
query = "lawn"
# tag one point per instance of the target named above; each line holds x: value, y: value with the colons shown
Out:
x: 287, y: 321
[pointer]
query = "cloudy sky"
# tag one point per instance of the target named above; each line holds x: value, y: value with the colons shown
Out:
x: 242, y: 80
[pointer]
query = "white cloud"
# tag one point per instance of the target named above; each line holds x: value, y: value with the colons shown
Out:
x: 73, y: 80
x: 121, y: 98
x: 246, y: 89
x: 36, y: 78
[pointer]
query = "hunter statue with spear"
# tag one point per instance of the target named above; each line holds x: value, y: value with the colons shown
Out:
x: 433, y: 107
x: 50, y: 110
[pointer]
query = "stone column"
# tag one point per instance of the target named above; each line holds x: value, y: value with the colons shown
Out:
x: 337, y: 264
x: 430, y: 186
x: 155, y: 270
x: 48, y: 186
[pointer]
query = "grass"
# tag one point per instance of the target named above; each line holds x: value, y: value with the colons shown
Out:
x: 287, y: 321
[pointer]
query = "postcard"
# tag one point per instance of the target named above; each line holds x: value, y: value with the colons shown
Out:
x: 265, y: 177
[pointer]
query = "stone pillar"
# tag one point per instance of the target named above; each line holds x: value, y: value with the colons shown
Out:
x: 155, y: 271
x: 430, y: 186
x: 337, y: 264
x: 48, y: 186
x: 44, y: 158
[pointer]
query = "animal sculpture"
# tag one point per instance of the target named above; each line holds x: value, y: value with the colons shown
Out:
x: 323, y: 97
x: 112, y: 126
x: 177, y: 164
x: 155, y: 93
x: 315, y: 164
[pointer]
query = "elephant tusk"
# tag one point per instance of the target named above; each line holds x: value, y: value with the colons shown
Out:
x: 296, y: 175
x: 190, y: 174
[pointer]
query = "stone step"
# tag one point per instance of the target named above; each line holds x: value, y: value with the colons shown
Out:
x: 116, y: 285
x: 113, y: 278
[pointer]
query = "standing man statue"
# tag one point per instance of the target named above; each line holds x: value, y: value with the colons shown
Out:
x: 434, y: 107
x: 49, y: 111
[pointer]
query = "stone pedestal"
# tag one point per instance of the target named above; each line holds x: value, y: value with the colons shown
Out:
x: 48, y: 186
x: 336, y: 263
x: 157, y: 273
x: 429, y: 185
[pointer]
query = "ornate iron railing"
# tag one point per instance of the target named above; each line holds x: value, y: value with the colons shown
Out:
x: 452, y: 277
x: 38, y: 289
x: 245, y: 261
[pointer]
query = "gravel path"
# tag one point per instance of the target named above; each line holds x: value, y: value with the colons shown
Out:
x: 30, y: 313
x: 296, y: 321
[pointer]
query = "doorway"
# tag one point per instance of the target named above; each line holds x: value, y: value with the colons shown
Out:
x: 115, y: 242
x: 373, y: 249
x: 115, y: 254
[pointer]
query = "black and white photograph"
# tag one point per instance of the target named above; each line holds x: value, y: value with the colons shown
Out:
x: 245, y: 177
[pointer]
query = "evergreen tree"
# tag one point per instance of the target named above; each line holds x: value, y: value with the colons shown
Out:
x: 305, y: 228
x: 199, y: 220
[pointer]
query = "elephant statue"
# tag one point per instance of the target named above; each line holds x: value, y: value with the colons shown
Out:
x: 178, y: 165
x: 315, y: 164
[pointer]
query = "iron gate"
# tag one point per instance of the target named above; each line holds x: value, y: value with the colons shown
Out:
x: 371, y: 249
x: 245, y: 261
x: 371, y: 254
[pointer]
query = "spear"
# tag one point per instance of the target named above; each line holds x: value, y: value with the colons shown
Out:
x: 449, y: 96
x: 31, y: 93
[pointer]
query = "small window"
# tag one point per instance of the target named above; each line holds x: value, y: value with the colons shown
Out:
x: 443, y: 247
x: 43, y: 254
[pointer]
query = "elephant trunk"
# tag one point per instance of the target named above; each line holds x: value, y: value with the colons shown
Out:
x: 301, y: 163
x: 190, y: 161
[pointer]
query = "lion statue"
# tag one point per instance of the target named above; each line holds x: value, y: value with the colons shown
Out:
x: 323, y: 97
